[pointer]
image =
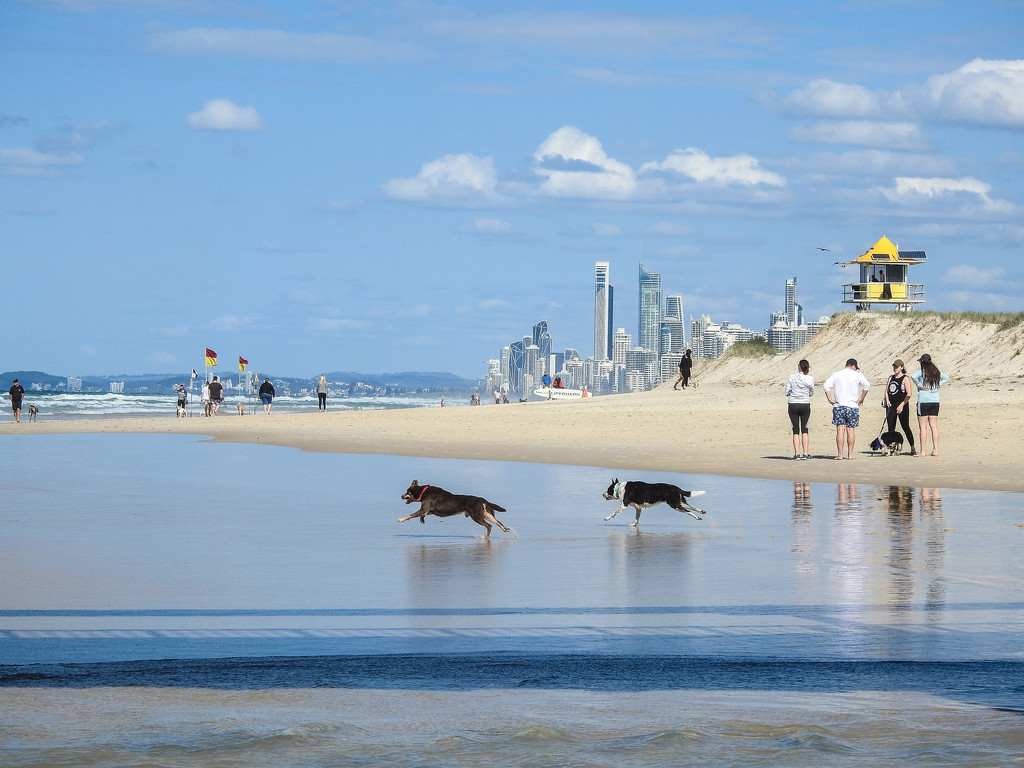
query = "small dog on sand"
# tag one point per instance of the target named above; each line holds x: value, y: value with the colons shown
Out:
x: 241, y: 408
x: 32, y: 412
x: 889, y: 443
x: 641, y: 495
x: 437, y: 501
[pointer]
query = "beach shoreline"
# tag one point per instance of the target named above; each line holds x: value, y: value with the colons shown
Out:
x: 735, y: 430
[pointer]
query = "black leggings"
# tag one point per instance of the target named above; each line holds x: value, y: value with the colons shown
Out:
x: 904, y: 416
x: 322, y: 396
x: 799, y: 415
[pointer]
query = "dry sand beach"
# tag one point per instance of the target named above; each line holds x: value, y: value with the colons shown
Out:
x: 733, y: 423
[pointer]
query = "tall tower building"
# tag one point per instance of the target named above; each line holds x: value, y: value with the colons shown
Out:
x: 542, y: 338
x: 621, y: 345
x: 602, y: 311
x: 649, y: 321
x: 792, y: 308
x: 674, y: 306
x: 673, y: 329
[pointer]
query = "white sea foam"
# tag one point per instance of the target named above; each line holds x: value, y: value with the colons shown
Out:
x: 89, y: 405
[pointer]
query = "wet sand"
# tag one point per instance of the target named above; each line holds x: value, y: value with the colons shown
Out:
x: 721, y: 427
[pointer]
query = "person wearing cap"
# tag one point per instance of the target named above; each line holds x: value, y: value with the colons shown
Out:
x: 846, y: 390
x: 928, y: 380
x: 897, y: 403
x: 17, y: 394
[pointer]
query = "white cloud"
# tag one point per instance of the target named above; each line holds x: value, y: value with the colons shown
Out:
x: 669, y: 229
x: 275, y: 44
x: 827, y: 98
x: 861, y: 133
x: 335, y: 324
x: 607, y: 230
x: 453, y: 179
x: 487, y: 227
x: 235, y: 322
x: 496, y: 304
x: 572, y: 163
x: 980, y: 92
x: 968, y: 192
x: 28, y: 163
x: 225, y: 115
x: 695, y: 164
x: 968, y: 276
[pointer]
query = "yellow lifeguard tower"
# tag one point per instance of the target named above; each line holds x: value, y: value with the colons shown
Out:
x: 883, y: 278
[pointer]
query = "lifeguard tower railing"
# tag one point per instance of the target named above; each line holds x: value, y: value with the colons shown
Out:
x: 902, y: 295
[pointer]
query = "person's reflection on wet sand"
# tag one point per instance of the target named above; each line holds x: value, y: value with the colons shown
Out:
x: 803, y: 534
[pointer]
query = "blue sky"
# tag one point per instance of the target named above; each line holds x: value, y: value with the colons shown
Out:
x: 397, y: 186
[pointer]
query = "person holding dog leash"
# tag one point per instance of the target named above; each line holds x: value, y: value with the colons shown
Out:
x: 897, y: 403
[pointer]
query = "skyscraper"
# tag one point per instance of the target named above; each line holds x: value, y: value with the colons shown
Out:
x: 649, y: 320
x: 542, y: 338
x: 794, y: 311
x: 673, y: 330
x: 602, y: 311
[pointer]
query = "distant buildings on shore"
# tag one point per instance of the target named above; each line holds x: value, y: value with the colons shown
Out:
x: 616, y: 364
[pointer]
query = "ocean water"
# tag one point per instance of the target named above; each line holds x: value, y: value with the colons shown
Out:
x: 166, y: 601
x: 98, y: 405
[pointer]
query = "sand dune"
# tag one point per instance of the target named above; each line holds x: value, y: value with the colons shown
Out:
x: 733, y: 423
x: 970, y: 352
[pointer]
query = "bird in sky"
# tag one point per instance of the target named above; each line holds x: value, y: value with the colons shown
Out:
x: 822, y: 249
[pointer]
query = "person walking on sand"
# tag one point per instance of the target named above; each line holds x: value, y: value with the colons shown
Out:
x: 846, y: 390
x: 799, y: 391
x: 685, y: 367
x: 182, y: 399
x: 267, y: 395
x: 17, y: 394
x: 204, y: 396
x: 216, y: 395
x: 321, y: 392
x: 897, y: 403
x: 928, y: 380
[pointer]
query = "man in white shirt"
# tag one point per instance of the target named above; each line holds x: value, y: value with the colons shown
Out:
x: 846, y: 390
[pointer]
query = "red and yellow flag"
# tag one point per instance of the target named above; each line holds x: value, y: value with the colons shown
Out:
x: 211, y: 357
x: 242, y: 362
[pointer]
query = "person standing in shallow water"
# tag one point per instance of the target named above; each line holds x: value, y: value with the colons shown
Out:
x: 799, y: 392
x: 267, y: 395
x: 928, y: 380
x: 321, y: 392
x: 17, y: 394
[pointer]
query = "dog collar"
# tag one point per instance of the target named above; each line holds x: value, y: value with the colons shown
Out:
x: 422, y: 492
x: 618, y: 490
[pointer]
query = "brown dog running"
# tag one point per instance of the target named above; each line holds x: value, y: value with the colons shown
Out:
x: 437, y: 501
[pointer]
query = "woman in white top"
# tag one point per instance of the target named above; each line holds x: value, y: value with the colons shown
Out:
x: 799, y: 391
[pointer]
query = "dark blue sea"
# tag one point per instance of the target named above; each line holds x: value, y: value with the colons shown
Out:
x: 169, y: 601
